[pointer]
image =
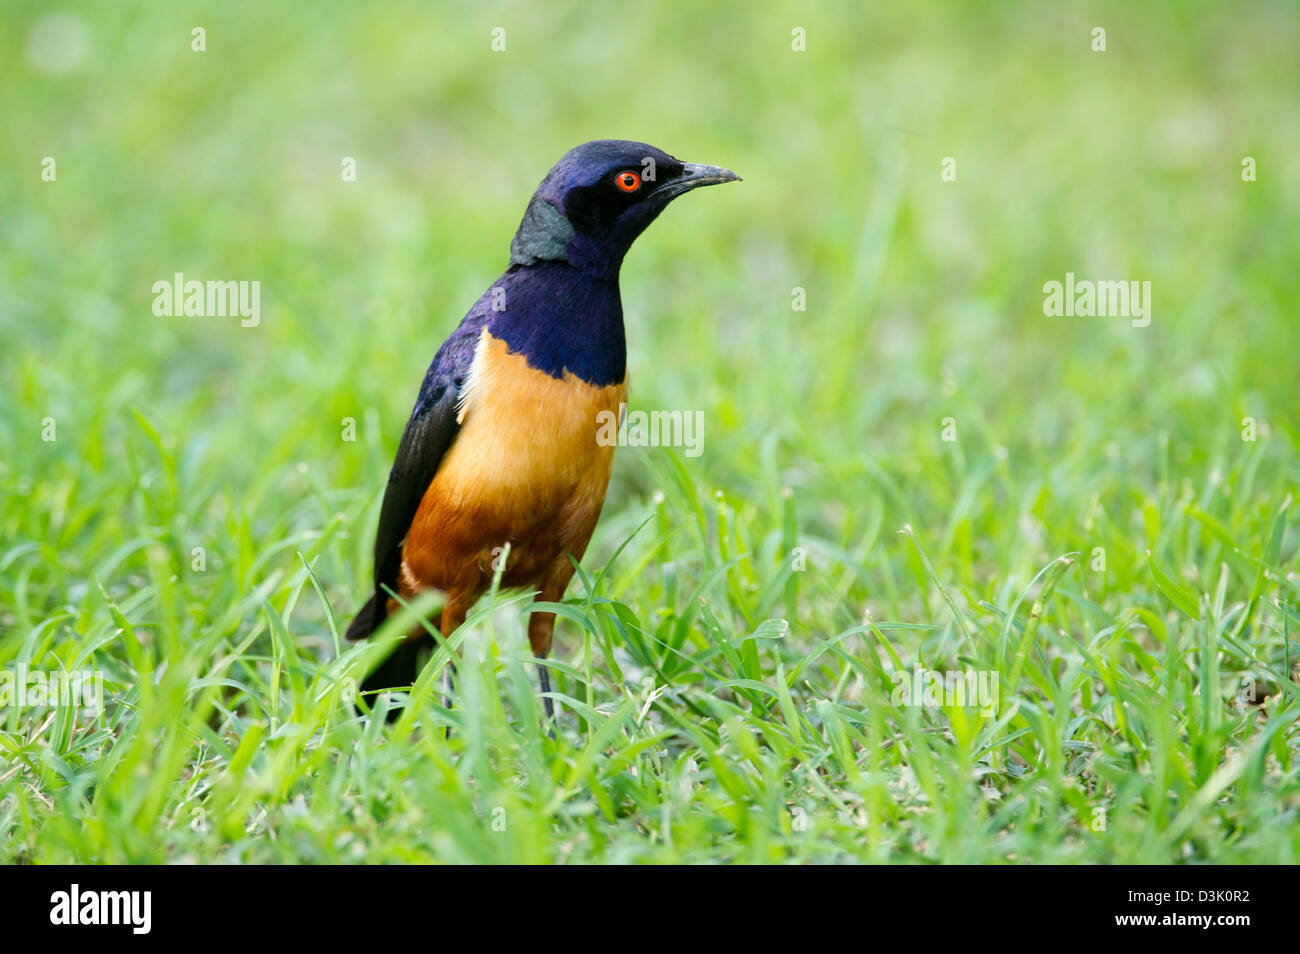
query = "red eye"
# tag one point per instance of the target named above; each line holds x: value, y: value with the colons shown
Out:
x: 628, y: 181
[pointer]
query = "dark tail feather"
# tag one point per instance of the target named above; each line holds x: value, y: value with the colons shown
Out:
x: 368, y: 618
x: 397, y: 671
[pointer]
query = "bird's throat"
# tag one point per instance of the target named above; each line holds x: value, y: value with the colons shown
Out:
x: 561, y: 318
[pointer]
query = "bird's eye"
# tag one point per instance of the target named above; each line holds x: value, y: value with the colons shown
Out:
x: 628, y: 181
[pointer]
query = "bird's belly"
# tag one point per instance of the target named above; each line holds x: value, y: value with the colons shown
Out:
x: 526, y: 469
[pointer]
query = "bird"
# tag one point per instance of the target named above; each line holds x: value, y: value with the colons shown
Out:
x: 500, y: 466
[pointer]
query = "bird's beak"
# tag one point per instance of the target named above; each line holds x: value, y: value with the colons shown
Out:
x: 693, y: 176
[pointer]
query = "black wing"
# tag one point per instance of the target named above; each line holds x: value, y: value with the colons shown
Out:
x: 429, y: 433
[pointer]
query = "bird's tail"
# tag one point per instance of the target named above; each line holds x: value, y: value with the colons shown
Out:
x: 398, y: 671
x: 368, y: 618
x: 402, y: 665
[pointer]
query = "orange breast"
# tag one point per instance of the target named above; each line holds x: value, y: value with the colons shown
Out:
x: 526, y: 468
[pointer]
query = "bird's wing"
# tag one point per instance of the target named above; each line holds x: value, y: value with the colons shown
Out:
x: 429, y: 433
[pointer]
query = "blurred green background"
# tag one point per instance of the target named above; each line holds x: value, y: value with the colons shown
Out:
x: 924, y: 302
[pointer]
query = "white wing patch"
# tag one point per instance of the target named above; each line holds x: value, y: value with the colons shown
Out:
x: 474, y: 380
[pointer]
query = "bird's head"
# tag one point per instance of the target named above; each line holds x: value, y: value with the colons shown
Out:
x: 597, y: 199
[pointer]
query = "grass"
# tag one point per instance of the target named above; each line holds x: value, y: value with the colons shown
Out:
x: 1100, y: 533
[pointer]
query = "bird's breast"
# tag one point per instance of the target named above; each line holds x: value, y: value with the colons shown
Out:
x: 528, y: 462
x: 525, y: 431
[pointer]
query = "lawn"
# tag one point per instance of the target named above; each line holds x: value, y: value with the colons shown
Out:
x: 907, y: 468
